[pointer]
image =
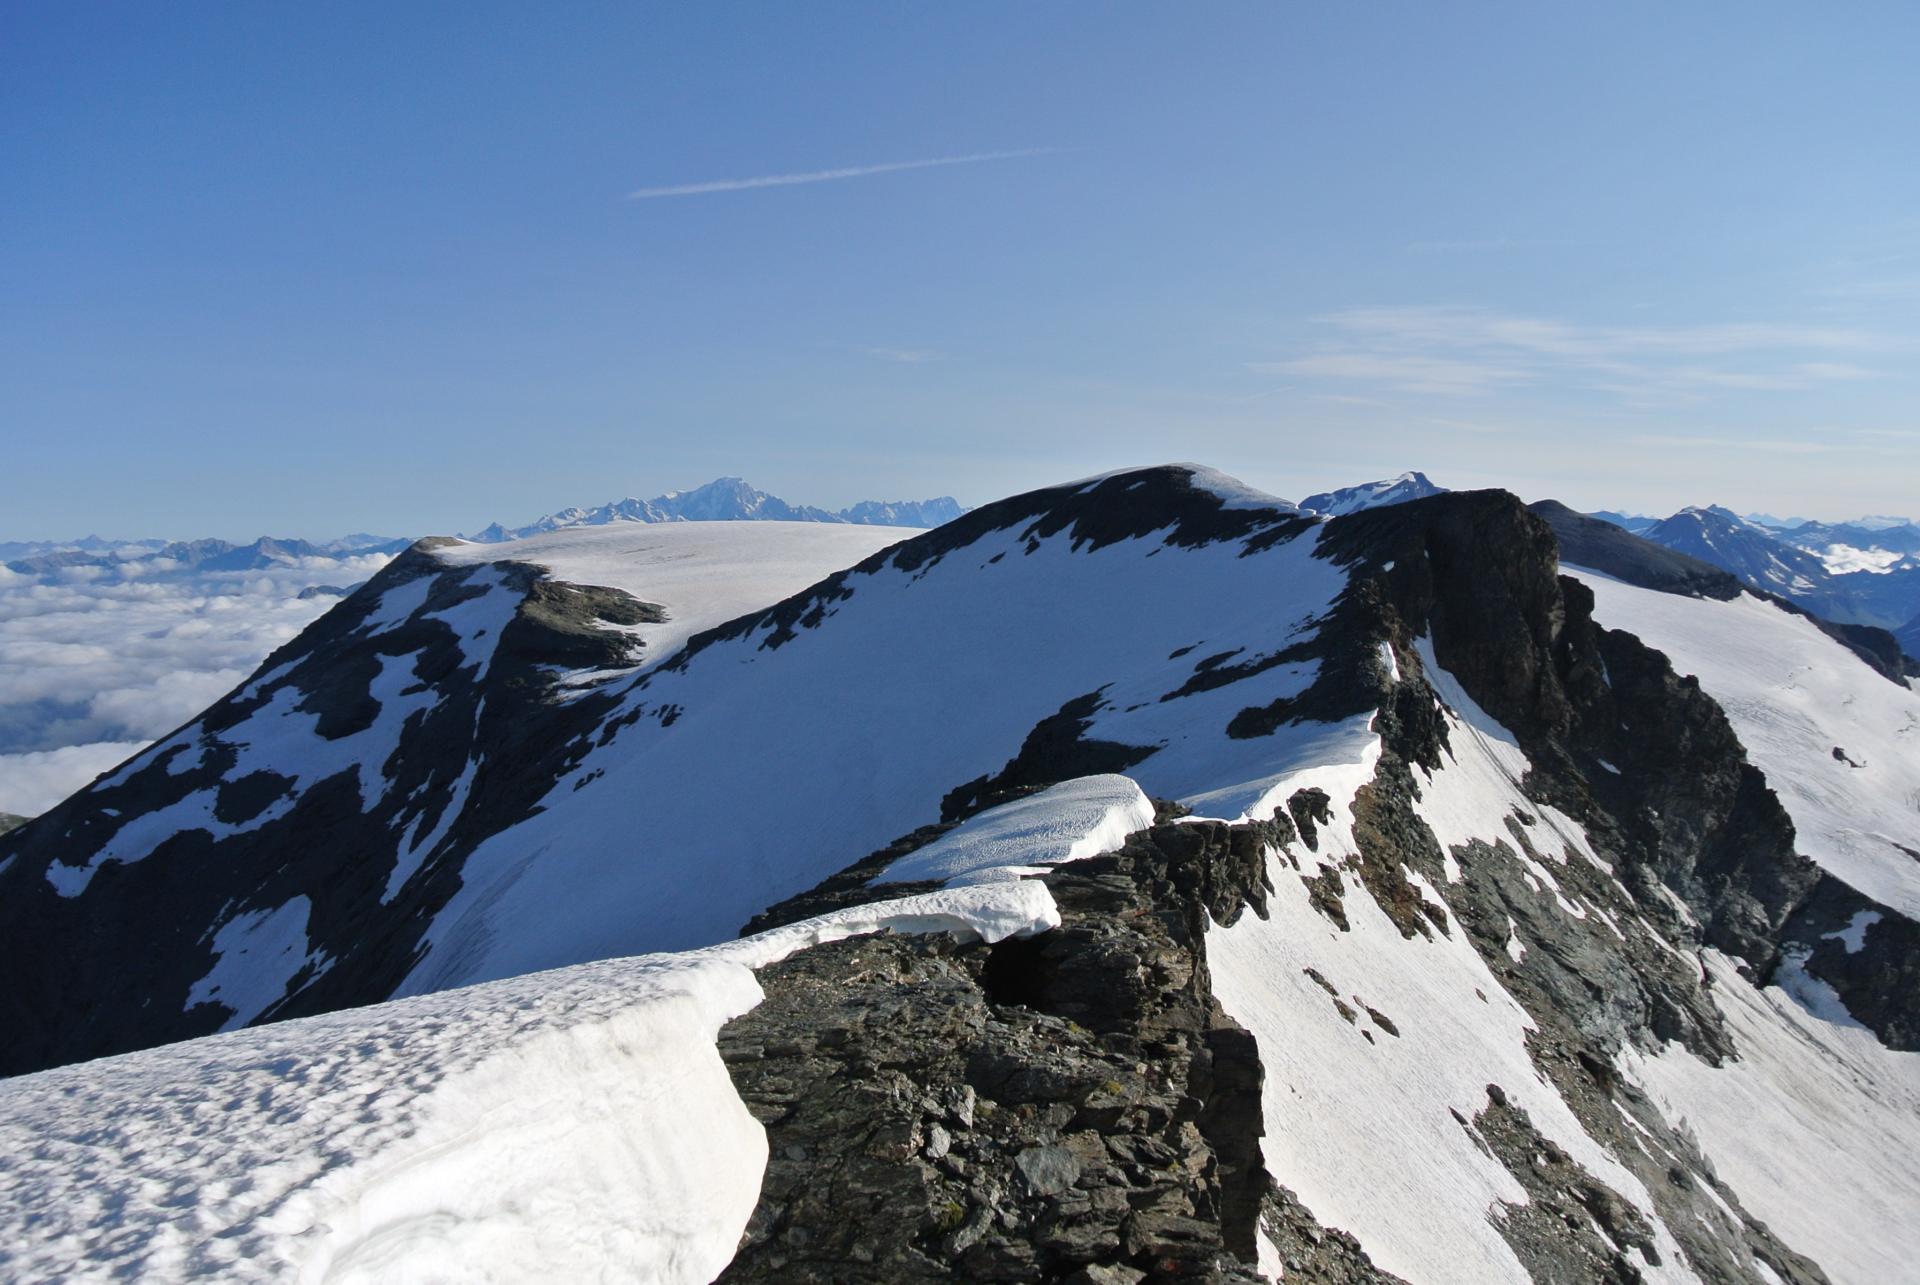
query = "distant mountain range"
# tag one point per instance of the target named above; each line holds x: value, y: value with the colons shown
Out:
x: 731, y: 499
x: 1864, y: 571
x: 727, y: 499
x: 1847, y: 572
x: 39, y: 558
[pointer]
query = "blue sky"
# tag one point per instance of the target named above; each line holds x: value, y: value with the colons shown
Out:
x: 320, y: 268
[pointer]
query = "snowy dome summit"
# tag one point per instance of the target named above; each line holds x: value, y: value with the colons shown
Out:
x: 1370, y: 892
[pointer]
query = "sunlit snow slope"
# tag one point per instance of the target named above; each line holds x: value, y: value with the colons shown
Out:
x: 569, y: 1125
x: 1840, y: 743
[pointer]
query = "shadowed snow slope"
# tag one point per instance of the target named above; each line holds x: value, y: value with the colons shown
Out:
x: 569, y: 1125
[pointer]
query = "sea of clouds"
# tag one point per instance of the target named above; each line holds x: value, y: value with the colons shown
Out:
x: 96, y: 663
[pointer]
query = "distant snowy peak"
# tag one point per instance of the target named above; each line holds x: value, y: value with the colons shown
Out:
x: 730, y: 499
x: 1372, y: 495
x: 1722, y: 537
x: 917, y: 513
x: 1844, y: 572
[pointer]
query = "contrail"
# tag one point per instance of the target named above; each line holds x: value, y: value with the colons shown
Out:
x: 827, y: 176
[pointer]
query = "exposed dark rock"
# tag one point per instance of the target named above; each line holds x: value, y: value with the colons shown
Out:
x: 1057, y: 749
x: 1072, y: 1106
x: 1878, y: 981
x: 1683, y: 810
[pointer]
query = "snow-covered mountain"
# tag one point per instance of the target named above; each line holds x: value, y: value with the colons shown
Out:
x: 731, y: 499
x: 1371, y: 495
x: 1847, y: 573
x: 1352, y: 899
x: 1720, y: 536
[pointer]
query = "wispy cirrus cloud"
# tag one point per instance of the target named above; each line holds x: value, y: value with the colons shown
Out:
x: 1465, y: 351
x: 829, y: 176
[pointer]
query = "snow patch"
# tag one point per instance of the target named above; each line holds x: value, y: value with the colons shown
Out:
x: 257, y: 952
x: 1854, y: 936
x: 702, y: 573
x: 1232, y: 492
x: 1067, y: 822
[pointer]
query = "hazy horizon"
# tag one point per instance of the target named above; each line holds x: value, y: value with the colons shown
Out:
x: 1296, y: 493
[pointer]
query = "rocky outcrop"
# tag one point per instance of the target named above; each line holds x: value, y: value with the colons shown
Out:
x: 1073, y: 1106
x: 1678, y: 806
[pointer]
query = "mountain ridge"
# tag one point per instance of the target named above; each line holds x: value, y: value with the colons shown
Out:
x: 1470, y: 902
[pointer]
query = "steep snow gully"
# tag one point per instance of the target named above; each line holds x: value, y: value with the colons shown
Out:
x: 1270, y: 896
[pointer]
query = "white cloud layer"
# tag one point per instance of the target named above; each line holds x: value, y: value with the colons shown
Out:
x: 32, y: 783
x: 95, y: 663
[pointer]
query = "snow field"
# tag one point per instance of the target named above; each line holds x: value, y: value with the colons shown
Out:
x: 1794, y: 696
x: 569, y: 1125
x: 1816, y: 1124
x: 913, y: 685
